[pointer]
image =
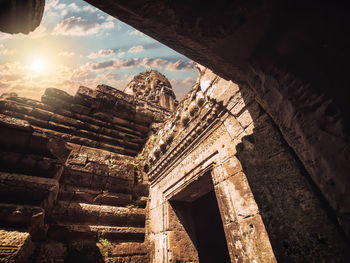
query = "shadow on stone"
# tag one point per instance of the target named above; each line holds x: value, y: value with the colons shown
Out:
x: 297, y: 219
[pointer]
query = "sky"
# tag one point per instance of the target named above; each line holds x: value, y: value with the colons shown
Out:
x: 77, y: 44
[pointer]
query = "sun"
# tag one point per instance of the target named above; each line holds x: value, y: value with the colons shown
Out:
x: 38, y: 65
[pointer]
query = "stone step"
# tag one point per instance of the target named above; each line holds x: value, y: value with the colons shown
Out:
x: 101, y: 102
x: 78, y: 116
x: 20, y: 215
x: 141, y: 201
x: 73, y: 134
x: 95, y: 181
x: 124, y: 252
x: 97, y: 197
x: 31, y: 164
x: 89, y: 214
x: 87, y: 142
x: 23, y: 217
x: 141, y: 189
x: 19, y: 135
x: 25, y: 189
x: 41, y: 117
x: 88, y: 232
x: 124, y: 119
x: 15, y: 246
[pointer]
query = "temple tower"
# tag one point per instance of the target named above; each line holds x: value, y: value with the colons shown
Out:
x: 154, y: 87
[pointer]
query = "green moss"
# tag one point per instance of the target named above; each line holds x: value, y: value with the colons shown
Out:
x: 105, y: 244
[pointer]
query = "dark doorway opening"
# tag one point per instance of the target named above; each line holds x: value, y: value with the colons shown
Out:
x: 209, y: 230
x: 197, y: 210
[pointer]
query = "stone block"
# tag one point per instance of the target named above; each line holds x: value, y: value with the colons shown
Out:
x: 232, y: 166
x: 181, y: 247
x: 223, y: 91
x: 15, y: 246
x: 228, y: 168
x: 256, y: 241
x: 77, y: 178
x: 176, y: 216
x: 245, y: 118
x: 156, y: 220
x: 226, y: 208
x: 237, y: 188
x: 235, y: 243
x: 156, y: 197
x: 55, y: 252
x: 232, y: 126
x: 237, y: 104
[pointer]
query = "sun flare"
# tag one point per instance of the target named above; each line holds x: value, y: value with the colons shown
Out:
x: 38, y: 65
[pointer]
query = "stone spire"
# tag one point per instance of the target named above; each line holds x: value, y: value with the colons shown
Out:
x: 154, y: 87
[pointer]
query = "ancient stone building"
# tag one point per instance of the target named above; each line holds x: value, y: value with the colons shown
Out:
x: 152, y: 86
x: 252, y: 166
x: 70, y: 186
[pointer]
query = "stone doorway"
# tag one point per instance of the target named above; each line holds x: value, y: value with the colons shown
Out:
x: 197, y: 210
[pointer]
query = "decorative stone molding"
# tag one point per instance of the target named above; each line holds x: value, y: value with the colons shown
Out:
x: 195, y: 114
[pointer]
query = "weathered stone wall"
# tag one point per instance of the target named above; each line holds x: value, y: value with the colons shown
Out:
x: 69, y: 178
x: 104, y: 118
x: 292, y: 56
x: 270, y: 208
x: 31, y: 165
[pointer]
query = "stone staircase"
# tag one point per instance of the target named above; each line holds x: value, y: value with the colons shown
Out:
x: 67, y: 175
x: 89, y: 118
x: 30, y: 169
x: 89, y: 209
x: 100, y: 211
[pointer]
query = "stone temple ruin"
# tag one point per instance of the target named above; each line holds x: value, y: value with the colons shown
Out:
x: 251, y: 166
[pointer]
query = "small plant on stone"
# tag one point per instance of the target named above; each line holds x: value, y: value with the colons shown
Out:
x: 139, y: 177
x: 102, y: 233
x: 136, y: 166
x: 105, y: 244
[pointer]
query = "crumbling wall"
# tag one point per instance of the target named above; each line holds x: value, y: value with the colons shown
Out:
x: 69, y: 178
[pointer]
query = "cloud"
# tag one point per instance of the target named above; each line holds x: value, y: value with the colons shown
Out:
x: 153, y: 62
x: 124, y: 64
x: 136, y: 33
x: 51, y: 4
x: 6, y: 52
x: 66, y: 54
x: 110, y: 75
x: 77, y: 26
x: 180, y: 65
x: 39, y: 32
x: 53, y: 8
x: 101, y: 53
x: 182, y: 87
x: 89, y: 8
x: 188, y: 81
x: 15, y: 77
x: 136, y: 49
x: 74, y: 7
x: 4, y: 36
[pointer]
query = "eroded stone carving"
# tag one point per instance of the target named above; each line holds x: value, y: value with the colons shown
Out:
x: 154, y: 87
